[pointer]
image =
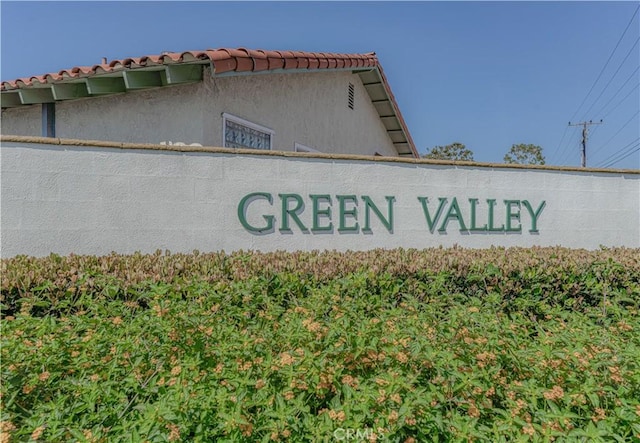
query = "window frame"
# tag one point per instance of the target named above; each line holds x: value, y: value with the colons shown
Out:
x: 241, y: 121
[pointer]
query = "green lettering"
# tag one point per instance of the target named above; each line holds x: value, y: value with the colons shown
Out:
x: 317, y: 212
x: 293, y: 213
x: 513, y: 215
x: 453, y: 213
x: 492, y: 204
x: 368, y: 205
x: 534, y: 215
x: 432, y: 222
x: 353, y: 212
x: 474, y: 203
x: 242, y: 212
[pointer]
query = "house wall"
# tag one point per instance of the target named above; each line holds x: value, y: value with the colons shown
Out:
x: 149, y: 116
x: 91, y: 200
x: 26, y: 120
x: 307, y: 108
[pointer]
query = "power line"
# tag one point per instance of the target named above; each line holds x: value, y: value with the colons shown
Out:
x: 618, y: 132
x: 625, y: 156
x: 606, y: 64
x: 565, y: 151
x: 618, y: 91
x: 572, y: 141
x: 566, y: 128
x: 622, y: 101
x: 593, y: 131
x: 622, y: 156
x: 606, y: 159
x: 614, y: 76
x: 585, y: 134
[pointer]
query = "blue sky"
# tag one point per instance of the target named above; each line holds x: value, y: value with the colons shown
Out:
x: 486, y: 74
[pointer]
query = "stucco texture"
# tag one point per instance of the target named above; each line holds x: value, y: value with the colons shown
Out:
x: 306, y: 108
x: 95, y: 200
x: 26, y: 120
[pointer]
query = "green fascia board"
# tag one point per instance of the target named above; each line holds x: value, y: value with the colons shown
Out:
x: 10, y: 99
x: 32, y: 96
x: 109, y: 85
x: 278, y: 71
x: 177, y: 74
x: 144, y: 79
x: 69, y: 91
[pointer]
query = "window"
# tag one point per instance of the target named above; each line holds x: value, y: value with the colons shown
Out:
x: 240, y: 133
x: 302, y: 148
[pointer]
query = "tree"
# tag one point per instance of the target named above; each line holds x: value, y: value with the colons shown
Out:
x: 454, y: 151
x: 525, y: 155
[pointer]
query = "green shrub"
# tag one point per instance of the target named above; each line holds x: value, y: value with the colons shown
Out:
x: 402, y: 345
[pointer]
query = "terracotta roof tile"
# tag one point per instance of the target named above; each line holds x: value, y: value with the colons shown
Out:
x: 244, y: 64
x: 314, y: 63
x: 322, y: 63
x: 49, y: 78
x: 223, y: 60
x: 332, y: 62
x: 102, y: 69
x: 276, y: 60
x: 303, y: 61
x: 259, y: 58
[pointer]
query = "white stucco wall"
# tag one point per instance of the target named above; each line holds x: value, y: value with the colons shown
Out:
x: 26, y: 120
x: 148, y: 116
x: 310, y: 109
x: 87, y: 200
x: 307, y: 108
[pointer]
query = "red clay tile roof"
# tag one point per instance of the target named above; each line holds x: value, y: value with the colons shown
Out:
x: 223, y: 60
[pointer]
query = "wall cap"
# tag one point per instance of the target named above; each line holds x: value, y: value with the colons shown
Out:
x: 254, y: 152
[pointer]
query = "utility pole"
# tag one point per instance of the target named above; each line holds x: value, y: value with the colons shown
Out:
x: 585, y: 132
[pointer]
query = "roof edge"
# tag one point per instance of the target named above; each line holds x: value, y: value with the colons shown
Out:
x: 223, y: 60
x: 396, y: 109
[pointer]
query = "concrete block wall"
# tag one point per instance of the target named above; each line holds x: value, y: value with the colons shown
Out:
x: 96, y: 199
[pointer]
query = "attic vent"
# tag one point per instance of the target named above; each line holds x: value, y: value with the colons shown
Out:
x: 351, y: 95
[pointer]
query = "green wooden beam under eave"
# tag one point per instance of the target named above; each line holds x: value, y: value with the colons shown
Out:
x: 178, y: 74
x: 10, y: 99
x: 69, y: 91
x: 36, y: 95
x: 144, y: 79
x: 101, y: 86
